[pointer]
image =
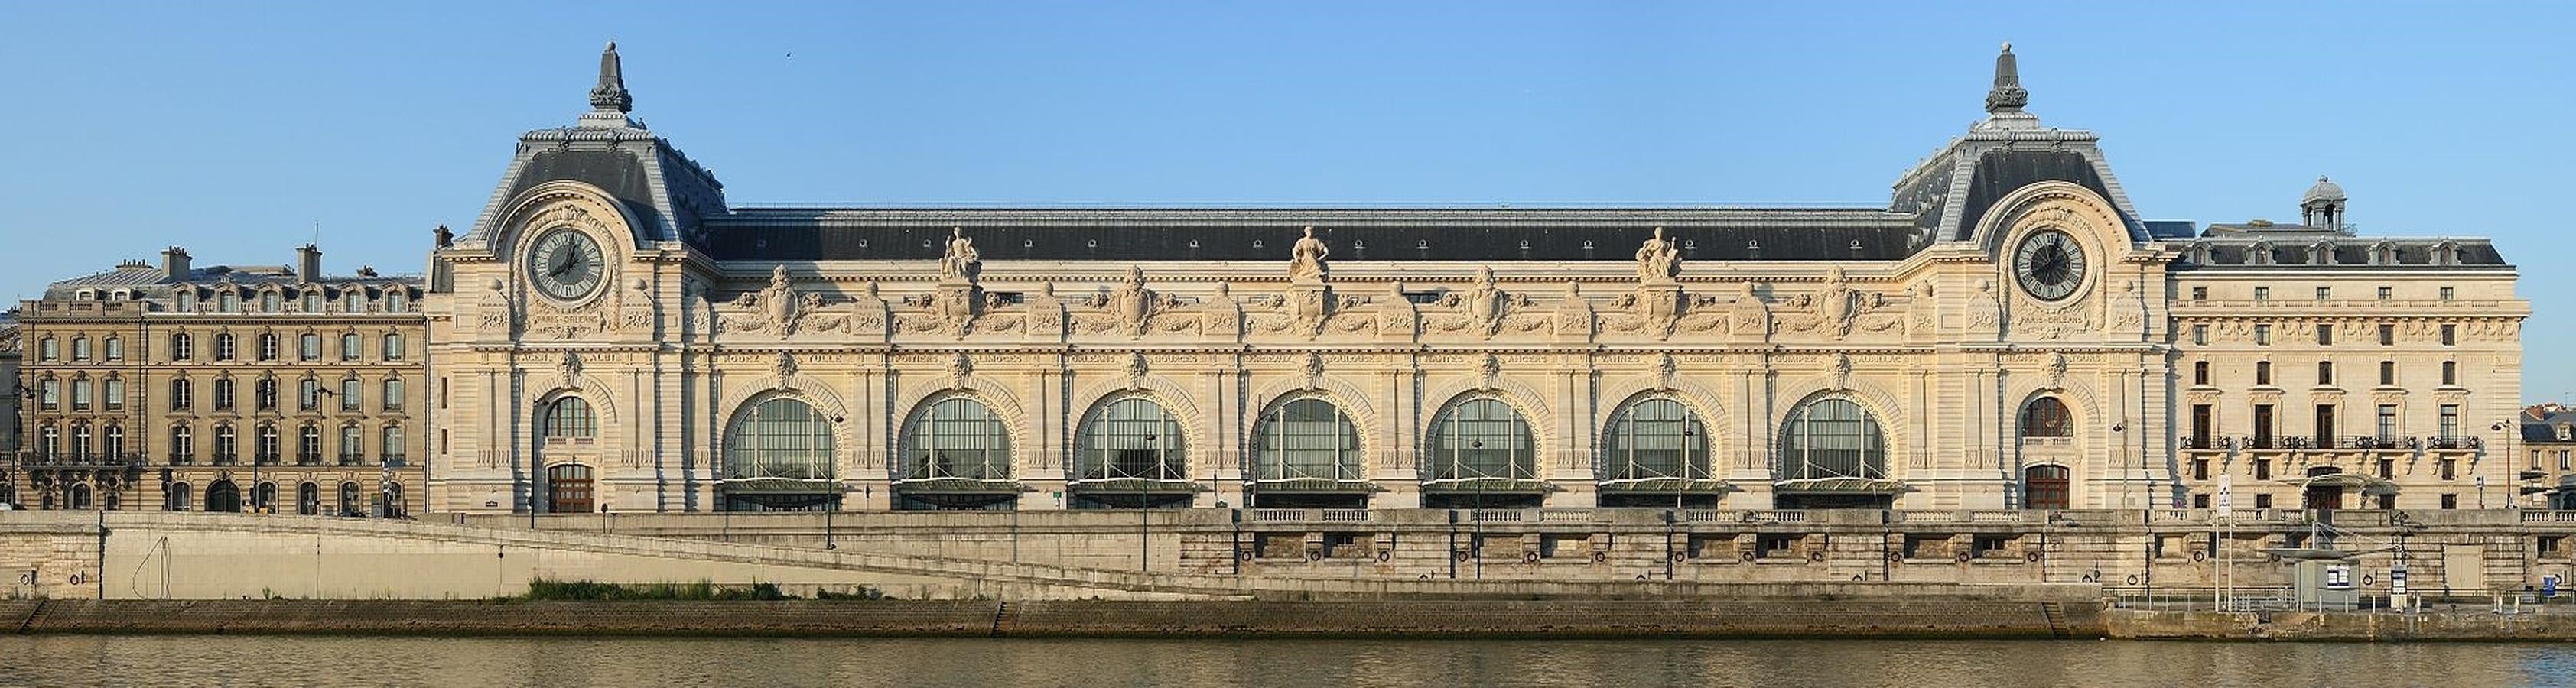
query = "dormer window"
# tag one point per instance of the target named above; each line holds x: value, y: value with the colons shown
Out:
x: 2563, y: 433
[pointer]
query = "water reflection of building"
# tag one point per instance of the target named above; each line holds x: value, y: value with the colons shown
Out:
x: 2007, y: 332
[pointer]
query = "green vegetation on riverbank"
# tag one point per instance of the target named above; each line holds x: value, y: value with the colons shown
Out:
x: 587, y: 590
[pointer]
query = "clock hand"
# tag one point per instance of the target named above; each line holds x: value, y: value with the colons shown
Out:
x: 561, y: 265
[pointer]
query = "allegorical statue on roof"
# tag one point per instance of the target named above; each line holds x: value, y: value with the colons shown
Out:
x: 962, y: 259
x: 1306, y: 261
x: 1658, y: 260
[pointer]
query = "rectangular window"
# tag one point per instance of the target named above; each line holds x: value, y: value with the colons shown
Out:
x: 2202, y: 426
x: 2262, y: 293
x: 2200, y: 372
x: 115, y: 349
x: 2263, y: 501
x: 48, y: 349
x: 308, y: 347
x: 2387, y: 469
x: 393, y: 394
x: 267, y: 347
x: 2262, y: 373
x: 2262, y: 335
x: 2325, y: 333
x: 349, y: 394
x: 182, y: 394
x: 2448, y: 468
x: 351, y: 346
x: 2450, y: 335
x: 2200, y: 501
x: 182, y: 347
x: 353, y: 445
x: 50, y: 394
x: 2450, y: 501
x: 393, y: 445
x: 308, y: 395
x: 2325, y: 426
x: 2384, y: 293
x: 2200, y: 469
x: 80, y: 395
x: 80, y: 348
x: 2387, y: 373
x: 2325, y: 373
x: 2387, y: 335
x: 2450, y: 372
x: 2450, y: 421
x: 2199, y: 293
x: 223, y: 394
x: 114, y: 395
x: 2263, y: 432
x: 2324, y: 293
x: 264, y: 394
x: 224, y: 347
x: 2563, y: 460
x: 2447, y: 293
x: 393, y: 348
x: 2387, y: 422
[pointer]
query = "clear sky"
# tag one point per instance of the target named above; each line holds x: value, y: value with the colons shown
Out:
x: 234, y: 128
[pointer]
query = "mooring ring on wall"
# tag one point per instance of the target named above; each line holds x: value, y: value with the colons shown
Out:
x: 2197, y: 555
x: 2030, y: 557
x: 1677, y: 556
x: 77, y: 578
x: 1243, y: 555
x: 1963, y: 557
x: 1384, y: 555
x: 1529, y: 557
x: 2133, y: 579
x: 1746, y: 555
x: 2366, y: 580
x: 1815, y: 556
x: 1460, y: 555
x: 1601, y: 557
x: 1895, y: 557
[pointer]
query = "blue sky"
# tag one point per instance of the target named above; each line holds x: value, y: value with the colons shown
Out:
x: 234, y: 129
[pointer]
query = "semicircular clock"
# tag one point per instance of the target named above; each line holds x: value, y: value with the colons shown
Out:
x: 2049, y: 264
x: 566, y: 264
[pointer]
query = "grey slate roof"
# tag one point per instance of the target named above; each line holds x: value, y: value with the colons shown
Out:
x: 1258, y: 234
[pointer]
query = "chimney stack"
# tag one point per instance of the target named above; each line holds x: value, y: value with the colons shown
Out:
x: 174, y: 264
x: 308, y: 263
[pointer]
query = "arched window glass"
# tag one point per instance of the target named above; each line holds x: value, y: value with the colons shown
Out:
x: 1307, y: 439
x: 183, y: 445
x: 179, y: 496
x: 308, y: 445
x: 1832, y: 438
x: 353, y: 445
x: 1130, y: 438
x: 1481, y: 438
x: 348, y: 499
x: 2046, y: 417
x: 779, y: 438
x: 956, y: 437
x: 267, y: 451
x: 569, y: 419
x: 1655, y: 438
x: 308, y: 499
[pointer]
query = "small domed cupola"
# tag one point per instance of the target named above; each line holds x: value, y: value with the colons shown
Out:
x: 2323, y: 206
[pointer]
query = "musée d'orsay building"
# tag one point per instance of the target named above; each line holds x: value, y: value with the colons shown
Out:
x: 612, y: 334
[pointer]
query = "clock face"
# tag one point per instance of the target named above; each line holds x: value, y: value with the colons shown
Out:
x: 2049, y: 265
x: 565, y: 264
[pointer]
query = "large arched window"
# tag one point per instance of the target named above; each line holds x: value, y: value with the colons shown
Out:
x: 1131, y: 438
x: 1307, y: 440
x: 1655, y: 438
x: 222, y: 496
x: 779, y: 438
x: 2046, y: 417
x: 1480, y: 438
x: 569, y: 419
x: 1832, y: 438
x: 955, y: 437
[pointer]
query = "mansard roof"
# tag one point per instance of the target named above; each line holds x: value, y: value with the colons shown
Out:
x: 1263, y: 234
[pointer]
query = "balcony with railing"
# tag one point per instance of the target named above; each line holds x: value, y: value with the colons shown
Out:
x: 39, y: 459
x: 2450, y: 443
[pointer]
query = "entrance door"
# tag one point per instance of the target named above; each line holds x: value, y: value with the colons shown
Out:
x: 2044, y: 487
x: 568, y: 489
x: 223, y: 496
x: 2322, y: 496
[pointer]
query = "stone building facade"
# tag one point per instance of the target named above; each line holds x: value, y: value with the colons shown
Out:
x: 219, y: 388
x: 2005, y: 333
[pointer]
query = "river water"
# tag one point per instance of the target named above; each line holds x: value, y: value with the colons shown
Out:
x: 690, y: 662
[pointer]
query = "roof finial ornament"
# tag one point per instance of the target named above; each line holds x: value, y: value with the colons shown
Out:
x: 611, y: 94
x: 2007, y: 95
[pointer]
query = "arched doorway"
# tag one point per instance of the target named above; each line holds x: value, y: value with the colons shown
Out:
x: 2044, y: 487
x: 80, y: 496
x: 348, y: 499
x: 308, y: 499
x: 263, y: 498
x: 2322, y: 494
x: 568, y: 489
x: 223, y: 496
x: 568, y: 431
